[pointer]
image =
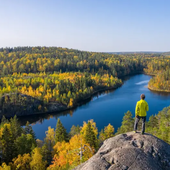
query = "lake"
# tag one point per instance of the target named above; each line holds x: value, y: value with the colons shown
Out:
x: 105, y: 108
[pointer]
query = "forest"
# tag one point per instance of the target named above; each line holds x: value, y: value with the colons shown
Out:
x: 160, y: 68
x: 51, y: 59
x: 40, y: 79
x: 21, y: 150
x: 45, y: 79
x: 40, y: 92
x: 61, y: 150
x: 161, y: 82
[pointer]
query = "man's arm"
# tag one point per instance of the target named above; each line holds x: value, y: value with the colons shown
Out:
x: 147, y: 107
x: 137, y: 109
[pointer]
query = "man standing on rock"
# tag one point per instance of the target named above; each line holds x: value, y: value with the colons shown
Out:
x: 140, y: 113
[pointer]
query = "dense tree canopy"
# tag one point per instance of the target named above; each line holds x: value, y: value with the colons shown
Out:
x: 39, y: 77
x: 50, y: 59
x: 34, y: 78
x: 161, y: 82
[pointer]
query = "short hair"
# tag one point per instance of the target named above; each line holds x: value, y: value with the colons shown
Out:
x: 142, y: 96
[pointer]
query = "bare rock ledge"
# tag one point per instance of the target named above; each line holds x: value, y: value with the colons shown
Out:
x: 130, y: 151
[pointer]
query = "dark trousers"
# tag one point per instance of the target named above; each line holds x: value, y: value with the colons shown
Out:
x: 137, y: 121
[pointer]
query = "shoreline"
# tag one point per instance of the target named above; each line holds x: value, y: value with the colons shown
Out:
x: 154, y: 89
x: 158, y: 90
x: 149, y: 74
x: 63, y: 108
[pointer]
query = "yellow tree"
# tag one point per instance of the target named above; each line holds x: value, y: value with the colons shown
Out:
x: 50, y: 138
x: 71, y: 102
x: 89, y: 132
x: 93, y: 124
x: 5, y: 167
x: 72, y: 153
x: 60, y: 159
x: 37, y: 163
x: 107, y: 133
x: 49, y: 142
x: 78, y: 148
x: 22, y: 162
x: 109, y: 130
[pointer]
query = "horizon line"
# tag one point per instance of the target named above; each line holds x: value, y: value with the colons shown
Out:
x: 143, y: 51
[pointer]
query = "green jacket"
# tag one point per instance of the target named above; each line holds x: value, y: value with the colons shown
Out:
x: 141, y: 108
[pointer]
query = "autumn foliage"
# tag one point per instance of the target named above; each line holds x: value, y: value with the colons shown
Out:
x: 20, y: 149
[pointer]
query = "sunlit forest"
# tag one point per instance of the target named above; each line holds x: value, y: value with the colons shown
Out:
x: 161, y: 82
x: 44, y: 79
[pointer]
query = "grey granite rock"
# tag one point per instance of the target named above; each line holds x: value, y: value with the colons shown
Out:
x: 130, y: 151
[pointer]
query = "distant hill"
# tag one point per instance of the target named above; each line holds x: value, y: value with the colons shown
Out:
x: 166, y: 53
x: 136, y: 52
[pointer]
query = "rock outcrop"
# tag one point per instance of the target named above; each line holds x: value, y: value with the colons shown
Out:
x: 130, y: 151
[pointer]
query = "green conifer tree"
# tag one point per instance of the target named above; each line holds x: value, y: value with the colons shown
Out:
x: 4, y: 120
x: 60, y: 132
x: 75, y: 130
x: 127, y: 123
x: 90, y: 136
x: 8, y: 148
x: 153, y: 122
x: 25, y: 144
x: 15, y: 127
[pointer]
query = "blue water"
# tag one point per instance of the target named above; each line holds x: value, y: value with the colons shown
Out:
x: 107, y: 107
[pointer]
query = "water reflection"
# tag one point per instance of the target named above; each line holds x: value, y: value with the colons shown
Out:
x: 104, y: 108
x: 162, y: 95
x: 39, y: 118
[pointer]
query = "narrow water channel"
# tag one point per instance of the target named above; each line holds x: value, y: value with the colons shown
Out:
x: 108, y: 107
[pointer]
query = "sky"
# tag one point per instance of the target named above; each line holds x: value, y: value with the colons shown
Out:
x: 89, y: 25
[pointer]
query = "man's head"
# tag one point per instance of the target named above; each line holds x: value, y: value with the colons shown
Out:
x: 142, y: 96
